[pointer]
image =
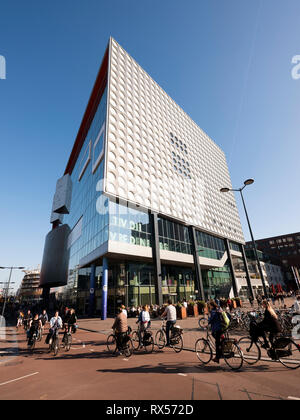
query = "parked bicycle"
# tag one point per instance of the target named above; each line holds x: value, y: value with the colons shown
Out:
x: 125, y: 345
x: 176, y: 340
x: 230, y: 350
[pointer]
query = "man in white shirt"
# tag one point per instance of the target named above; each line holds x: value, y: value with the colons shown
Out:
x: 170, y: 313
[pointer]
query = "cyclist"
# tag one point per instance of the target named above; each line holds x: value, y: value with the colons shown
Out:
x: 55, y: 324
x: 20, y: 319
x: 34, y: 325
x: 27, y: 318
x: 44, y: 318
x: 72, y: 323
x: 216, y: 327
x: 144, y: 322
x: 65, y: 317
x: 120, y: 326
x: 269, y: 324
x: 170, y: 313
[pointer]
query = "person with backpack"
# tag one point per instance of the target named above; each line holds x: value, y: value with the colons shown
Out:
x: 219, y: 322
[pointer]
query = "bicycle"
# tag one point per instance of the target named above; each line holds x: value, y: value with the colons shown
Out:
x: 283, y: 349
x: 125, y: 346
x: 230, y: 351
x: 203, y: 322
x: 54, y: 343
x: 32, y: 341
x: 176, y: 341
x: 67, y: 339
x: 143, y: 339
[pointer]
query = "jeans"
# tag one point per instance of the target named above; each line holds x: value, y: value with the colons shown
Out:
x: 217, y: 335
x: 169, y: 326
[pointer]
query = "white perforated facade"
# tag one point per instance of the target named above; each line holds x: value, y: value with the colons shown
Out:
x: 158, y: 158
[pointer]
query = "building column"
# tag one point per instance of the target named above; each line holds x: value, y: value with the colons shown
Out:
x: 46, y: 297
x: 234, y: 282
x: 92, y: 290
x: 199, y: 281
x: 104, y: 289
x: 247, y: 273
x: 156, y: 259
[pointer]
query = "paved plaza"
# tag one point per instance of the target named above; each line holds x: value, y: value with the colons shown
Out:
x: 89, y: 371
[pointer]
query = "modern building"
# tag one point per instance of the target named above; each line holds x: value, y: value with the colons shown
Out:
x: 138, y: 216
x: 30, y: 291
x: 284, y: 250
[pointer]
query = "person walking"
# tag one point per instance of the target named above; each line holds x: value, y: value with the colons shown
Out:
x: 170, y: 313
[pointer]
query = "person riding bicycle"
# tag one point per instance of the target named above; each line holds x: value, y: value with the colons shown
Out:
x: 120, y: 327
x: 170, y: 313
x: 34, y: 325
x: 269, y: 324
x: 55, y: 324
x: 20, y: 319
x: 215, y: 321
x: 144, y: 322
x: 27, y: 318
x: 71, y: 323
x: 65, y: 317
x: 44, y: 318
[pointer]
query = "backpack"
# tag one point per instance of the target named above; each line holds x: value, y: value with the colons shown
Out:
x: 225, y: 321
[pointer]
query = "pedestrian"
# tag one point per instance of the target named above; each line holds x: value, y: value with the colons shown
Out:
x: 124, y: 310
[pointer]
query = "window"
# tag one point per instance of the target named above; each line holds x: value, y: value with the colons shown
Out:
x: 98, y: 149
x: 85, y: 159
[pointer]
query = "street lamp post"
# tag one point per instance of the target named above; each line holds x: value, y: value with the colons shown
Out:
x: 11, y: 269
x: 240, y: 190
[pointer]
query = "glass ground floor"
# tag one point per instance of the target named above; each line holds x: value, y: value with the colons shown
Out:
x: 133, y: 283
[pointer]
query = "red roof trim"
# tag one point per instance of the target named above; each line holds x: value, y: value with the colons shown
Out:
x: 90, y: 111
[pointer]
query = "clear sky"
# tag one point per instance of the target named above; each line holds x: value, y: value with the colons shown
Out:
x: 226, y: 63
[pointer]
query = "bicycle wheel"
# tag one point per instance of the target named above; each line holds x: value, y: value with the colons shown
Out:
x: 160, y: 339
x: 233, y: 357
x: 128, y: 348
x: 289, y: 356
x: 68, y: 342
x: 203, y: 323
x: 135, y: 340
x: 111, y: 343
x: 149, y: 345
x: 203, y: 351
x: 40, y: 335
x: 32, y: 346
x: 177, y: 344
x: 250, y: 350
x: 55, y: 346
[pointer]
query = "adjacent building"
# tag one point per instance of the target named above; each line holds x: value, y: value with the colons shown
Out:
x: 283, y: 250
x: 30, y: 291
x: 138, y: 216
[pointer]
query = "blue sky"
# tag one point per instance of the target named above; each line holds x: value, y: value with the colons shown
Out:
x: 226, y: 63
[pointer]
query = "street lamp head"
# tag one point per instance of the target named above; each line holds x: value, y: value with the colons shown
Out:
x: 249, y: 181
x: 224, y: 190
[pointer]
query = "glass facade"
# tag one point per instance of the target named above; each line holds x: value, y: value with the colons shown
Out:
x: 129, y: 225
x: 217, y: 282
x: 88, y: 201
x: 173, y: 236
x: 209, y: 246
